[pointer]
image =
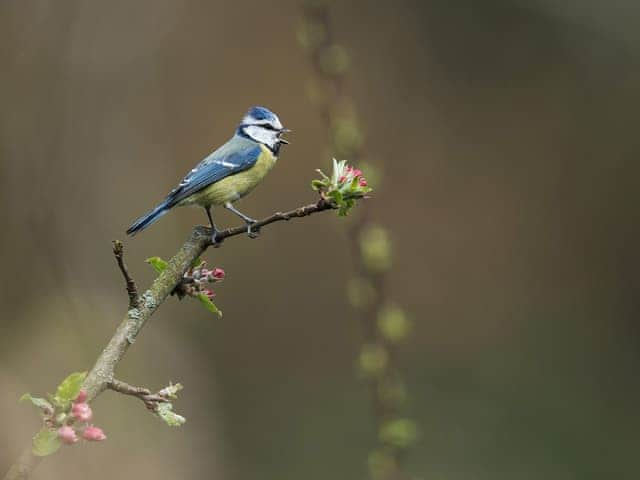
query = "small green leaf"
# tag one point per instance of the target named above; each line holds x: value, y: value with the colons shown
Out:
x: 336, y: 196
x: 345, y: 207
x: 323, y: 175
x: 158, y: 264
x: 318, y: 184
x: 70, y: 387
x: 166, y: 413
x: 45, y: 442
x: 208, y: 304
x: 172, y: 390
x: 41, y: 403
x: 356, y: 192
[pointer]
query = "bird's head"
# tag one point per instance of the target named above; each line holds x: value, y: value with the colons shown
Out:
x: 263, y: 126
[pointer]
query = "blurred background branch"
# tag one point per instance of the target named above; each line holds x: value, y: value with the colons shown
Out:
x: 384, y: 324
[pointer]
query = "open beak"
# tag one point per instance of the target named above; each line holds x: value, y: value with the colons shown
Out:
x: 283, y: 131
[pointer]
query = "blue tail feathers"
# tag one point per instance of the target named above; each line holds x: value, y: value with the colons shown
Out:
x: 148, y: 218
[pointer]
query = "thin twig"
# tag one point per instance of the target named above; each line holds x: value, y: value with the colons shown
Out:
x: 150, y: 400
x: 126, y: 389
x: 319, y: 206
x: 132, y: 290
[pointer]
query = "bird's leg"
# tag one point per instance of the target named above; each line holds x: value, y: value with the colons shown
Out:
x: 214, y: 235
x: 252, y: 232
x: 229, y: 206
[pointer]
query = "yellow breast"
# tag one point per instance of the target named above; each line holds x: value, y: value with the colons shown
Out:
x: 235, y: 186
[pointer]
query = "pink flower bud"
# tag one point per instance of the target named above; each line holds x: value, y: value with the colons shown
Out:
x: 81, y: 411
x: 218, y: 273
x: 67, y: 435
x: 82, y: 397
x: 342, y: 179
x: 362, y: 182
x: 93, y: 434
x: 357, y: 173
x: 209, y: 293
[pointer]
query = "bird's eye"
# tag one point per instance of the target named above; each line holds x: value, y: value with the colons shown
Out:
x: 268, y: 126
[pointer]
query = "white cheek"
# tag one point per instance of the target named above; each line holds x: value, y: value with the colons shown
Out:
x: 262, y: 135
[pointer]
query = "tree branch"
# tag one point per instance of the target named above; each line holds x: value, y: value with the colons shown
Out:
x: 23, y: 466
x: 101, y: 375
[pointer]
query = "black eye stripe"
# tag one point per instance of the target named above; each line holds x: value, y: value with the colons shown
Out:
x: 268, y: 126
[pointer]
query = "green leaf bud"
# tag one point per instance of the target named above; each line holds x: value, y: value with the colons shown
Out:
x: 393, y: 324
x: 373, y: 360
x: 334, y: 60
x: 166, y: 413
x: 375, y: 247
x: 399, y: 432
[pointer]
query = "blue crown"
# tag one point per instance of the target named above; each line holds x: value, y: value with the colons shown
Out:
x: 260, y: 113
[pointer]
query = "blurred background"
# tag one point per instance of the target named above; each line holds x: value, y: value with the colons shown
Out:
x: 507, y: 134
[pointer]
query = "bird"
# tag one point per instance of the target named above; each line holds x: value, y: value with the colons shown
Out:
x: 228, y: 173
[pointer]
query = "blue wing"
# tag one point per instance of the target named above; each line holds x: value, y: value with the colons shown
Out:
x: 233, y: 157
x: 220, y: 164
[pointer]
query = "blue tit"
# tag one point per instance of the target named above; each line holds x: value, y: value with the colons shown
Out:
x: 229, y: 173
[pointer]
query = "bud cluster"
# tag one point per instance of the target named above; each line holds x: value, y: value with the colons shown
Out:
x: 350, y: 174
x: 197, y: 279
x: 74, y: 424
x: 345, y: 185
